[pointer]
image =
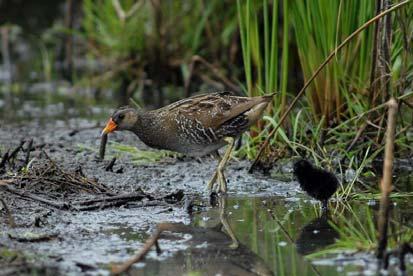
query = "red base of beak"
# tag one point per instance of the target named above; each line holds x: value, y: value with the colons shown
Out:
x: 111, y: 126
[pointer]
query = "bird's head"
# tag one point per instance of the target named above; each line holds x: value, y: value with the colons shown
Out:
x: 302, y: 166
x: 122, y: 119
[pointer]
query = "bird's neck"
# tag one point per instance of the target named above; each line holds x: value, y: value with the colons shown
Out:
x: 145, y: 127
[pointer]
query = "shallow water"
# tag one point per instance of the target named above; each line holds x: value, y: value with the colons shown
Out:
x: 278, y: 234
x: 55, y: 102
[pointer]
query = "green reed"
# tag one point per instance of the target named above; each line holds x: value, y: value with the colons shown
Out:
x: 265, y: 56
x: 319, y: 26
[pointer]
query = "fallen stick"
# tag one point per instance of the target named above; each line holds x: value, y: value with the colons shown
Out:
x: 14, y: 153
x: 27, y: 158
x: 4, y: 160
x: 9, y: 215
x: 5, y: 181
x: 117, y: 204
x: 109, y: 167
x: 87, y: 205
x: 153, y: 240
x: 57, y: 205
x: 127, y: 197
x: 76, y: 131
x: 70, y: 177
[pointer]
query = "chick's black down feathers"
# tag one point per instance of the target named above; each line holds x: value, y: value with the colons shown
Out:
x: 317, y: 183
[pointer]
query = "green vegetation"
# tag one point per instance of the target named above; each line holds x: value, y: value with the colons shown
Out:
x: 134, y: 154
x: 140, y: 156
x: 335, y: 91
x: 156, y: 38
x: 360, y: 232
x: 336, y: 124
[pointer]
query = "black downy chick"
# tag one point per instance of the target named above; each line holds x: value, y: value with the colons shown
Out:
x: 316, y: 182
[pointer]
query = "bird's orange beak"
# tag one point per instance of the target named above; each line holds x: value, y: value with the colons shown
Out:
x: 110, y: 127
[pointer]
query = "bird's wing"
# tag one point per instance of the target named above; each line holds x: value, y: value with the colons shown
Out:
x: 213, y: 110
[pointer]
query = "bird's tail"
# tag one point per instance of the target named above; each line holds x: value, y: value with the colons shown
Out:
x: 269, y: 97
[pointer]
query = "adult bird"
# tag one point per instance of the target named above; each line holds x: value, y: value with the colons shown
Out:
x: 194, y: 126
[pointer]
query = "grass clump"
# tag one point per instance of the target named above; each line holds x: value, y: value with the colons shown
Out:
x: 137, y: 156
x: 357, y: 231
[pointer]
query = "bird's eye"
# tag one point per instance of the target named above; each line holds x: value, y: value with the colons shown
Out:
x: 121, y: 116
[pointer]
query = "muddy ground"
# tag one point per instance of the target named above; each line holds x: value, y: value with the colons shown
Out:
x: 89, y: 241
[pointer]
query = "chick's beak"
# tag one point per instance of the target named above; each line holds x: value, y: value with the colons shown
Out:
x: 110, y: 127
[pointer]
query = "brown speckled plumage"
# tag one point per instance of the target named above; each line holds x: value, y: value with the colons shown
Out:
x: 193, y: 126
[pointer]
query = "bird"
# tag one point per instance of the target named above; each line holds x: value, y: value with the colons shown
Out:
x: 316, y: 182
x: 194, y: 126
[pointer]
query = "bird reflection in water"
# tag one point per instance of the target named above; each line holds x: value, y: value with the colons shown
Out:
x: 213, y: 251
x: 315, y: 235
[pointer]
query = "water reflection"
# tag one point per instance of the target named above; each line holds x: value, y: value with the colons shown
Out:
x: 315, y: 235
x: 212, y: 250
x: 275, y: 236
x: 269, y: 226
x: 47, y: 105
x: 247, y: 236
x: 284, y: 231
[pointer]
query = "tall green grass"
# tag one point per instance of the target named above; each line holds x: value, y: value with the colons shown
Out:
x: 265, y: 53
x: 108, y: 35
x: 329, y: 124
x: 319, y: 26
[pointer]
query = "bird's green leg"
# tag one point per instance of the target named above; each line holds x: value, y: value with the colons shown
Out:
x: 214, y: 177
x: 222, y: 164
x: 219, y: 174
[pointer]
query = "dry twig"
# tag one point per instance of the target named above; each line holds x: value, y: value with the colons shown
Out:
x: 9, y: 215
x: 109, y: 167
x: 213, y: 69
x: 153, y: 240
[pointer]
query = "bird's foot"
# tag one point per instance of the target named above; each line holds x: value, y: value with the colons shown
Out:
x: 234, y: 245
x: 219, y: 174
x: 222, y: 183
x: 212, y: 182
x: 219, y: 182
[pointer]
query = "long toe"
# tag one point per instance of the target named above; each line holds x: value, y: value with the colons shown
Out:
x: 222, y: 182
x: 212, y: 182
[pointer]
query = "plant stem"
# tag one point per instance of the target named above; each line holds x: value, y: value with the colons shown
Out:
x: 386, y: 183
